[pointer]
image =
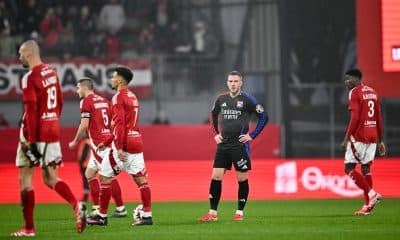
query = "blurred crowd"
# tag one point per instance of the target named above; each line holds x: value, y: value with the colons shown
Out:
x: 107, y: 29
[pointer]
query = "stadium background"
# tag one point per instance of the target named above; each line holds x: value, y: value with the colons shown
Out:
x: 293, y: 55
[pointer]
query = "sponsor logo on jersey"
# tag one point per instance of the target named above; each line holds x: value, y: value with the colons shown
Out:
x: 223, y: 105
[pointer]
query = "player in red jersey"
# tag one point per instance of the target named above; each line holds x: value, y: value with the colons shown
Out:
x: 126, y: 152
x: 96, y: 119
x: 40, y: 136
x: 364, y: 132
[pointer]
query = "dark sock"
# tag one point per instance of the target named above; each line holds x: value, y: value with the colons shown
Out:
x: 243, y: 193
x: 215, y: 193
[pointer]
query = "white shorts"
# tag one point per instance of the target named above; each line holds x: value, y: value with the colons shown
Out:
x: 112, y: 165
x: 358, y: 152
x: 93, y: 163
x: 51, y: 154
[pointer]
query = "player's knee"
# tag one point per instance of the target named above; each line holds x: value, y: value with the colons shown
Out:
x: 348, y: 167
x: 365, y: 169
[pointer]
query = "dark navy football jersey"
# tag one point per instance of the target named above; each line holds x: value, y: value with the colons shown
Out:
x: 235, y: 115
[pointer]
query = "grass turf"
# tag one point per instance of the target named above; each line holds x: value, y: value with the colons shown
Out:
x: 280, y: 219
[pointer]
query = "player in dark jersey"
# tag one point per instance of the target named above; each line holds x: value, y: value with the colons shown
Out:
x: 40, y: 136
x: 235, y: 108
x: 364, y: 132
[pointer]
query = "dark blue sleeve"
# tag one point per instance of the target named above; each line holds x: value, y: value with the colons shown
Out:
x: 262, y: 115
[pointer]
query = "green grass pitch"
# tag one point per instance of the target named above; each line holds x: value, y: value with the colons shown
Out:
x: 277, y: 220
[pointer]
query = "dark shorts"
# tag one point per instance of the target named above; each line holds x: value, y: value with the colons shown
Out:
x: 237, y: 154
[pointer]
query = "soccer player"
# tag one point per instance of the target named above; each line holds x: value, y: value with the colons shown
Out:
x: 40, y: 136
x: 364, y: 131
x: 235, y: 108
x: 96, y: 120
x: 126, y: 152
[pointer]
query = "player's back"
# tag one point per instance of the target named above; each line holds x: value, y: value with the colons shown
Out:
x: 369, y: 113
x: 130, y: 104
x: 99, y: 111
x: 42, y: 85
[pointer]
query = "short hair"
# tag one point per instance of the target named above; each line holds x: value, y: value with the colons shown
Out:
x: 236, y: 73
x: 125, y: 73
x: 354, y: 72
x: 88, y: 82
x: 32, y: 45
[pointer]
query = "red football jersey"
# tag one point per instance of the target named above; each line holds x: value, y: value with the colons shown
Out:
x: 125, y: 112
x: 43, y: 102
x: 366, y: 117
x: 98, y: 110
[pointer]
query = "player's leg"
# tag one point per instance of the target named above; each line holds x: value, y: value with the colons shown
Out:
x: 26, y: 172
x: 222, y: 162
x: 120, y: 210
x: 51, y: 153
x: 94, y: 188
x: 135, y: 166
x: 27, y: 202
x: 108, y: 170
x: 242, y: 164
x: 145, y: 195
x: 355, y: 153
x: 369, y: 155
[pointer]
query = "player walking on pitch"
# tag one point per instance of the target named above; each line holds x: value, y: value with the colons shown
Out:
x: 40, y: 137
x: 364, y: 132
x: 126, y: 151
x: 96, y: 119
x: 233, y: 142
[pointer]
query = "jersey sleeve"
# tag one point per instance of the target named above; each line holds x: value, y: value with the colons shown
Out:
x: 85, y: 108
x: 214, y: 116
x: 354, y: 107
x: 30, y: 107
x: 119, y: 121
x: 258, y: 109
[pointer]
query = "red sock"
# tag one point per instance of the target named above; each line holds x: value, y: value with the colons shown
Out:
x: 145, y: 194
x: 94, y: 187
x: 116, y: 193
x: 28, y: 204
x: 105, y: 196
x: 368, y: 179
x: 361, y: 183
x: 65, y: 192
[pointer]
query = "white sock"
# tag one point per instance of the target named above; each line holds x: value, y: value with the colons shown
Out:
x: 120, y: 208
x: 146, y: 214
x: 212, y: 211
x: 371, y: 193
x: 239, y: 212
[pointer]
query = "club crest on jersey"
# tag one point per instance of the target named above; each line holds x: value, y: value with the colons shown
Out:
x: 259, y: 108
x: 239, y: 104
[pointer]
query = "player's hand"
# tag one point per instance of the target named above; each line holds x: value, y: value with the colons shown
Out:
x: 72, y: 144
x: 343, y: 145
x: 245, y: 138
x: 218, y: 138
x: 35, y: 151
x: 32, y: 153
x: 381, y: 149
x: 121, y: 155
